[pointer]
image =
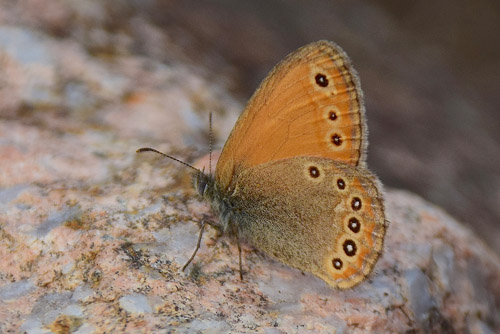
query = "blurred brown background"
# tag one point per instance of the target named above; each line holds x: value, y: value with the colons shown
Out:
x: 429, y: 71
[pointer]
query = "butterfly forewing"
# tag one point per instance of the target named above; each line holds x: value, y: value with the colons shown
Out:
x: 309, y: 105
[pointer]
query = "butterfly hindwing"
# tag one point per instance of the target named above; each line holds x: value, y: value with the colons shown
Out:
x: 313, y: 214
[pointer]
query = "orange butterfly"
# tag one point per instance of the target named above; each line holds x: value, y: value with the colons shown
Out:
x: 291, y: 178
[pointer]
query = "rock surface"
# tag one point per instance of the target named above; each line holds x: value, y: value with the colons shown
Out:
x: 93, y: 236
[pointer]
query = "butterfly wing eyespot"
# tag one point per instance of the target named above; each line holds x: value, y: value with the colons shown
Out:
x: 321, y: 80
x: 314, y: 173
x: 349, y: 247
x: 337, y: 263
x: 332, y: 113
x: 341, y: 183
x: 310, y: 104
x: 353, y: 224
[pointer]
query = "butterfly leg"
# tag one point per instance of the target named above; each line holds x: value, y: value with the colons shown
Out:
x: 206, y: 220
x: 215, y: 225
x: 202, y: 228
x: 239, y: 253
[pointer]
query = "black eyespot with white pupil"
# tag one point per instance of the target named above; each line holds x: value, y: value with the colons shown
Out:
x: 341, y: 184
x: 332, y: 115
x: 336, y: 139
x: 354, y: 225
x: 314, y: 171
x: 356, y: 203
x: 337, y: 263
x: 321, y: 80
x: 349, y: 247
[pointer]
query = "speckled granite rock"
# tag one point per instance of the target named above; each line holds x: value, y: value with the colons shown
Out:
x: 89, y: 256
x: 92, y: 236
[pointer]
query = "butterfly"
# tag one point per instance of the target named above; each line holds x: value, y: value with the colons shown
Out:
x: 292, y: 178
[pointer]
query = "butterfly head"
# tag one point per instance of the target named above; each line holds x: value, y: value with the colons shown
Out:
x: 203, y: 184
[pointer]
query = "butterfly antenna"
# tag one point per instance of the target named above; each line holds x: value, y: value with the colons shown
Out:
x: 210, y: 143
x: 149, y: 149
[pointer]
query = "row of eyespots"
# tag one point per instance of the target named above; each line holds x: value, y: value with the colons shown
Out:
x: 335, y: 138
x: 322, y: 81
x: 349, y: 246
x: 356, y: 201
